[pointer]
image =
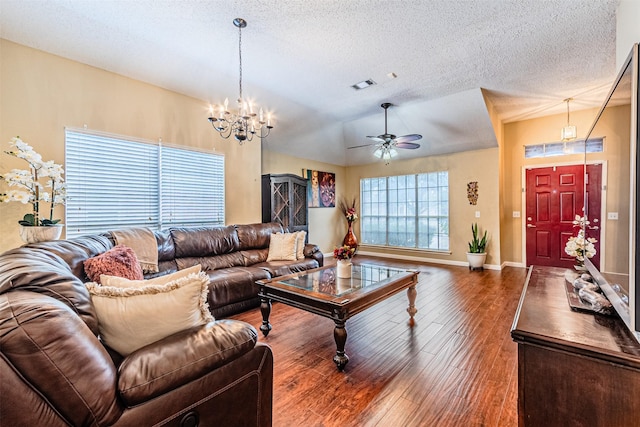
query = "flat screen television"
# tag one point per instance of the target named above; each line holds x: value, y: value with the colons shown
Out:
x: 617, y: 122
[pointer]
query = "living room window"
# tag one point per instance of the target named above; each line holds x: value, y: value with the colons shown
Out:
x: 119, y: 182
x: 407, y: 211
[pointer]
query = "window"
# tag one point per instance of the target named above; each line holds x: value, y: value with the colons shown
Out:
x: 409, y: 211
x: 118, y: 182
x: 593, y: 145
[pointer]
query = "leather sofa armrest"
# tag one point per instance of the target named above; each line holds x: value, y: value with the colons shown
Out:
x: 182, y: 357
x: 313, y: 251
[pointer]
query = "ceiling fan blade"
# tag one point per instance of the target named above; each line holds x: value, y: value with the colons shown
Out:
x: 408, y: 138
x: 376, y: 138
x: 409, y: 145
x: 363, y: 145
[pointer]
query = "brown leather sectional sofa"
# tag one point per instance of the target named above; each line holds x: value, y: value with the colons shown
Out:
x: 55, y: 371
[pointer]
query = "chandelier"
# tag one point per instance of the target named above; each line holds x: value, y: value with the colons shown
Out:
x: 568, y: 132
x: 243, y: 123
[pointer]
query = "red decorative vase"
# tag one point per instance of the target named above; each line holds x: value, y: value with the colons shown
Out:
x: 350, y: 239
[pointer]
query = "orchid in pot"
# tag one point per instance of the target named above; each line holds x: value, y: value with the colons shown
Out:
x: 42, y: 183
x: 580, y: 246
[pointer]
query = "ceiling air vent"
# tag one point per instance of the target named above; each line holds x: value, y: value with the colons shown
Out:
x: 363, y: 84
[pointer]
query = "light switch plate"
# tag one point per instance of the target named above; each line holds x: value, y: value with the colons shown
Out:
x: 612, y: 215
x: 516, y: 214
x: 477, y: 214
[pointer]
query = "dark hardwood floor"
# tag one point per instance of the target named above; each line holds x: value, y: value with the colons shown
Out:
x: 456, y: 367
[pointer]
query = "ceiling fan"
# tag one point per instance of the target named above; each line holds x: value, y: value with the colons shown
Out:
x: 387, y: 143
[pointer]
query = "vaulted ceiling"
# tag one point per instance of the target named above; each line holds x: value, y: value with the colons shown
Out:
x: 300, y: 59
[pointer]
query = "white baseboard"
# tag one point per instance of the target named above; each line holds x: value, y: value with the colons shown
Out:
x: 423, y: 259
x: 513, y: 264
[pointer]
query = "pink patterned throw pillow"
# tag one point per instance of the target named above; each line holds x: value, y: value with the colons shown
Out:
x: 118, y: 261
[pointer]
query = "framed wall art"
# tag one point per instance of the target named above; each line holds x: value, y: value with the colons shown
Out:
x: 321, y: 191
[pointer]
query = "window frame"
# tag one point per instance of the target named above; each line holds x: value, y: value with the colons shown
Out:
x: 420, y: 215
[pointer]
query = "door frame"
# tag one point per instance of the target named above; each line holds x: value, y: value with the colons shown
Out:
x: 603, y: 204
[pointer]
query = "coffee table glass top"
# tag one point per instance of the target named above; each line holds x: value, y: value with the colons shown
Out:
x: 325, y: 281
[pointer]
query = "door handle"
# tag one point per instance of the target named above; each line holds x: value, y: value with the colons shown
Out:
x: 531, y: 226
x: 594, y: 228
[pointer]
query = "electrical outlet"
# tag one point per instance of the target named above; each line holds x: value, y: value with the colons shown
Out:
x: 612, y: 215
x: 516, y: 214
x: 477, y: 214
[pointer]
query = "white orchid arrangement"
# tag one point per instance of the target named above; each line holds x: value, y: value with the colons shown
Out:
x: 578, y: 246
x: 30, y: 189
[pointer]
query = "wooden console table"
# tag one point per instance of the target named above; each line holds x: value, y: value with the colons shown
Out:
x: 574, y: 368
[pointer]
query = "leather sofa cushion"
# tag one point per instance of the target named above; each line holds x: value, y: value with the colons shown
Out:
x: 211, y: 263
x: 75, y: 251
x: 234, y: 284
x: 257, y: 236
x: 44, y: 272
x: 181, y: 358
x: 166, y: 249
x: 254, y: 256
x: 57, y: 354
x: 282, y: 268
x: 205, y: 241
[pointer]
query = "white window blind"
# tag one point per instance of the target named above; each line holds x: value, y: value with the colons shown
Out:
x: 116, y: 182
x: 192, y: 188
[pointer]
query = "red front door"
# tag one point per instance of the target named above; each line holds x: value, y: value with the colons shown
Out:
x: 554, y: 196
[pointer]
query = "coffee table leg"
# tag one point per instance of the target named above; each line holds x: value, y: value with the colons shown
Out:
x: 265, y: 309
x: 340, y: 335
x: 412, y: 293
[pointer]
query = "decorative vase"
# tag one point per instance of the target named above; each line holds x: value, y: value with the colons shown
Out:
x: 344, y: 269
x: 35, y: 234
x: 350, y: 239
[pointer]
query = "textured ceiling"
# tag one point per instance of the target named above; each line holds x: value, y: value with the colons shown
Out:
x: 300, y: 58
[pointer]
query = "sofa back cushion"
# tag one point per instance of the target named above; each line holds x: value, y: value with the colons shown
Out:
x: 211, y: 263
x: 204, y: 241
x: 75, y: 251
x: 59, y: 357
x: 257, y: 236
x: 54, y: 269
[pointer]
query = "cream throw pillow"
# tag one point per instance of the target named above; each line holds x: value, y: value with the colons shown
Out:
x: 301, y: 235
x: 130, y: 318
x: 121, y: 282
x: 282, y: 247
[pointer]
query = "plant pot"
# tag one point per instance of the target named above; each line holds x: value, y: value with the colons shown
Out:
x: 343, y: 269
x: 35, y: 234
x: 476, y: 260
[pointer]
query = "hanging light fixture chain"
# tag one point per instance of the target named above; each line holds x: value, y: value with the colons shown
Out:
x: 240, y: 55
x: 243, y: 124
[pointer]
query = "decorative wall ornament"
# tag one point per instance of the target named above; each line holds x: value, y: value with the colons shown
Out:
x: 472, y: 192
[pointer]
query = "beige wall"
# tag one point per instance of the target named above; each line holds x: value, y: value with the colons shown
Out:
x: 627, y: 29
x: 327, y: 226
x: 41, y: 94
x: 547, y: 129
x: 481, y: 166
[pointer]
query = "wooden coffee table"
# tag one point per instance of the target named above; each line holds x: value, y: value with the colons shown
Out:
x: 319, y: 291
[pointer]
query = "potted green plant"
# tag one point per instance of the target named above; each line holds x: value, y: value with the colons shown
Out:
x: 477, y: 249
